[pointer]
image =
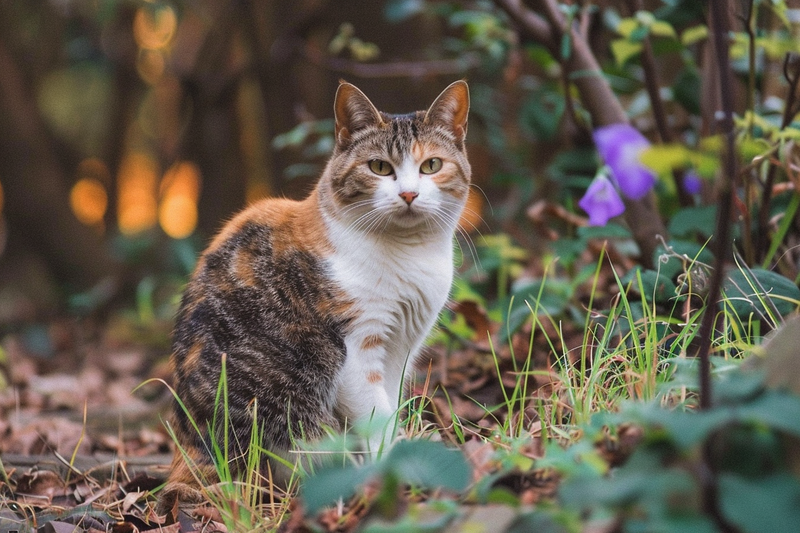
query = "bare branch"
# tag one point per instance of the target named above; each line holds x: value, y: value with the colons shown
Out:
x: 397, y: 69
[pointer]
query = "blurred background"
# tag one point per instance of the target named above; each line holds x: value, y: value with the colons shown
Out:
x: 131, y: 130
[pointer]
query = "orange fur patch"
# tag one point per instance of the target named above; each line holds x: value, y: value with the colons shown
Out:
x: 374, y: 377
x: 373, y: 341
x: 243, y: 266
x: 193, y: 356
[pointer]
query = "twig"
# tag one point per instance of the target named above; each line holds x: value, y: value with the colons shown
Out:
x: 721, y: 245
x: 396, y: 69
x: 791, y: 72
x: 653, y: 87
x: 597, y: 97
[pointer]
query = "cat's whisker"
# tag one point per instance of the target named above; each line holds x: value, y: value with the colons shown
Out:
x: 485, y: 197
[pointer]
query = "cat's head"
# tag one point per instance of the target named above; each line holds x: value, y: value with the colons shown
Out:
x: 398, y: 173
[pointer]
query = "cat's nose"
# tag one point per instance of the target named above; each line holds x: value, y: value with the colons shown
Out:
x: 408, y: 196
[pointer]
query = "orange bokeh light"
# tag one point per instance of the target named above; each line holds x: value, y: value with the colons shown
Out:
x: 154, y: 27
x: 89, y: 201
x: 180, y: 191
x: 136, y: 206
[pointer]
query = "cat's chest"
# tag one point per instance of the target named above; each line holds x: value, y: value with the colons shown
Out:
x: 404, y: 286
x: 367, y: 271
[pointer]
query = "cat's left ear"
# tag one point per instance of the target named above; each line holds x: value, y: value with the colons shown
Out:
x: 451, y: 109
x: 353, y: 111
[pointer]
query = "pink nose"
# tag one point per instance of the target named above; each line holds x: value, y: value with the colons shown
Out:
x: 408, y: 196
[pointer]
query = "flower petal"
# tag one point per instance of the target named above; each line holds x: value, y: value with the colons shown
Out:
x: 620, y: 145
x: 692, y: 182
x: 601, y: 201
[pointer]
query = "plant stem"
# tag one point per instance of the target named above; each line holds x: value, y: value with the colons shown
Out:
x: 721, y: 245
x: 597, y: 97
x: 653, y: 87
x: 791, y: 72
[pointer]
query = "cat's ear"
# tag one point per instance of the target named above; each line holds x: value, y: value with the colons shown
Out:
x: 451, y: 109
x: 353, y: 111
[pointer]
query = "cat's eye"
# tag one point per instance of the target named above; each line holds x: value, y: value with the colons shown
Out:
x: 431, y: 166
x: 381, y: 168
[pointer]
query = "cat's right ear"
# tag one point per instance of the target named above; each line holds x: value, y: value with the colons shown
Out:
x: 353, y: 111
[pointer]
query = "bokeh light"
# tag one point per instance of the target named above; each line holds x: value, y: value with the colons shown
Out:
x: 136, y: 206
x: 154, y: 26
x: 88, y: 197
x: 89, y: 201
x: 180, y: 191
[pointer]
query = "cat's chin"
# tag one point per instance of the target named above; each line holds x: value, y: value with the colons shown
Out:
x: 411, y: 221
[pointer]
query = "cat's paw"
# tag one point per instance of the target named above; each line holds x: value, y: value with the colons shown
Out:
x: 175, y: 495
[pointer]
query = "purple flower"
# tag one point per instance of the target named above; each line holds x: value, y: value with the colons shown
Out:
x: 601, y: 201
x: 692, y: 182
x: 619, y: 146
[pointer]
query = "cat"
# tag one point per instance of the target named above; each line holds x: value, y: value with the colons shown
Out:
x: 319, y: 307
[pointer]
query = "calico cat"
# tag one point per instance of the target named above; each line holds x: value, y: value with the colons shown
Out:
x: 319, y: 307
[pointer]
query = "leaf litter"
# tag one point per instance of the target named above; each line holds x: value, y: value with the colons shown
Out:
x: 81, y: 451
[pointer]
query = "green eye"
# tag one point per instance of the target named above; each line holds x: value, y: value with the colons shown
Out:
x: 381, y: 168
x: 431, y: 166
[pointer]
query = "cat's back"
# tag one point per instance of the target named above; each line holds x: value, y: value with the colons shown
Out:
x: 262, y: 287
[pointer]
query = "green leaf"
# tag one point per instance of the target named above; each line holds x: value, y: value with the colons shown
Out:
x: 755, y: 290
x: 670, y: 265
x: 611, y: 230
x: 769, y: 503
x: 694, y: 34
x: 693, y: 220
x: 654, y: 285
x: 537, y: 521
x: 663, y: 158
x: 428, y: 464
x: 662, y: 29
x: 623, y: 50
x: 328, y: 485
x: 686, y: 89
x: 626, y: 26
x: 542, y: 112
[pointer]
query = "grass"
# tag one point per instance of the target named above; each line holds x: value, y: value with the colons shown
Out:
x: 633, y: 351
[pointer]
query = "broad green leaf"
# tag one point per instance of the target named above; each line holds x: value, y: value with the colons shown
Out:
x: 327, y: 485
x: 670, y: 265
x: 693, y: 220
x: 623, y: 50
x: 693, y: 35
x: 428, y: 464
x: 756, y: 505
x: 756, y: 289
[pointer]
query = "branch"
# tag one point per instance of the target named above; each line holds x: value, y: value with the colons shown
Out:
x: 529, y: 24
x: 395, y: 69
x: 659, y: 114
x: 596, y: 95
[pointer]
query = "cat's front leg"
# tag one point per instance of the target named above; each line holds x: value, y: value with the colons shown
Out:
x: 363, y: 395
